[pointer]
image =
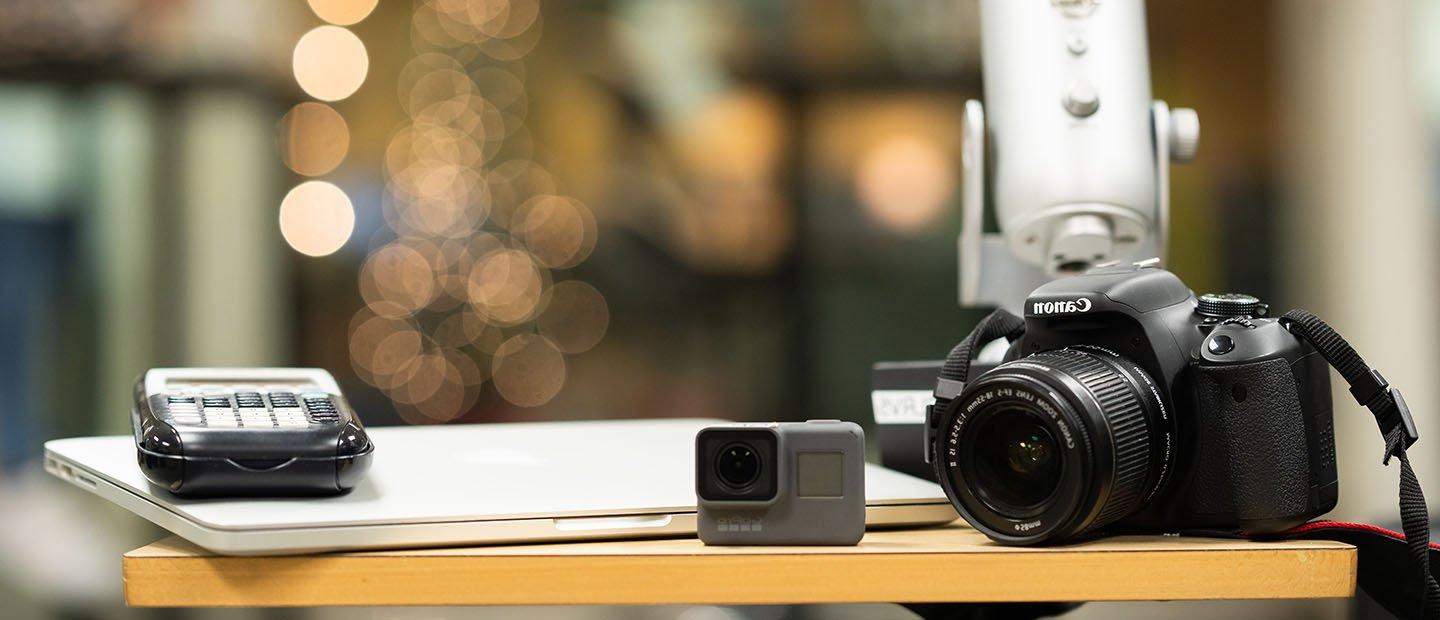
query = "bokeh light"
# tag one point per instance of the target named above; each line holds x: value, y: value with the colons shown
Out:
x: 501, y: 29
x: 558, y: 231
x: 529, y: 370
x: 512, y: 183
x: 330, y: 63
x: 575, y: 317
x: 501, y: 87
x: 397, y: 281
x: 316, y: 218
x: 457, y: 388
x: 904, y: 182
x: 426, y: 379
x: 506, y: 286
x: 458, y: 292
x: 342, y: 12
x: 393, y: 361
x: 367, y: 330
x: 313, y: 138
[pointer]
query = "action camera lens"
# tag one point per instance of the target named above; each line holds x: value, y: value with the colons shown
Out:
x: 738, y: 465
x: 1017, y: 459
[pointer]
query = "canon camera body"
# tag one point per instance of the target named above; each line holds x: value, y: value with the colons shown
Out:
x: 1129, y: 403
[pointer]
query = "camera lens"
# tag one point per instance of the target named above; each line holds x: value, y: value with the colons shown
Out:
x: 1054, y: 445
x: 1017, y: 460
x: 738, y: 465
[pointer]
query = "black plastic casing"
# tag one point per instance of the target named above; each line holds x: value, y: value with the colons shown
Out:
x: 192, y: 461
x: 1246, y: 439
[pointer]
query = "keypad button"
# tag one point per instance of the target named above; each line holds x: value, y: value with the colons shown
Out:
x: 252, y: 407
x: 291, y: 418
x: 249, y: 400
x: 218, y: 415
x: 177, y: 405
x: 280, y: 400
x: 321, y: 408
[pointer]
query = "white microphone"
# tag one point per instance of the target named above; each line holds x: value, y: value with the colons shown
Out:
x: 1076, y: 165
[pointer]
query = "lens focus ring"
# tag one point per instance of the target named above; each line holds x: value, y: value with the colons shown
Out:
x: 1117, y: 398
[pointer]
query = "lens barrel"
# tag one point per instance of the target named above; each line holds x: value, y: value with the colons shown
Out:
x: 1053, y: 445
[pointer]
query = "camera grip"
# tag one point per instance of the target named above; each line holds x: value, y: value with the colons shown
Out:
x: 1252, y: 451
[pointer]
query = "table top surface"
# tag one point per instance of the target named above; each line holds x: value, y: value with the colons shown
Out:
x: 945, y: 564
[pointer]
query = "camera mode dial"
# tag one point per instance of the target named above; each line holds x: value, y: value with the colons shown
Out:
x: 1225, y: 305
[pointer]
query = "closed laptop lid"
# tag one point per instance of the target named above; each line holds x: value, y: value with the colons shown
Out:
x: 479, y: 472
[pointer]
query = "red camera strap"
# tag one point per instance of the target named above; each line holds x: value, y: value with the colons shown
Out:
x: 1384, y: 566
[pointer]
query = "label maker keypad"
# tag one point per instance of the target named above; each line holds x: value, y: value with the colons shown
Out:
x: 252, y: 409
x: 247, y: 432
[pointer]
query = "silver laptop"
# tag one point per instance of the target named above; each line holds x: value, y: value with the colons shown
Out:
x: 468, y: 484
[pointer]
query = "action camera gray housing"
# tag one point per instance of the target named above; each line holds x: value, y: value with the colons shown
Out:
x: 808, y: 489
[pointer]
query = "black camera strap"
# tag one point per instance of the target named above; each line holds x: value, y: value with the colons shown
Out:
x: 998, y: 324
x: 1418, y: 592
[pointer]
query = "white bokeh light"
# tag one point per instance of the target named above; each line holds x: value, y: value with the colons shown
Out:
x: 316, y: 218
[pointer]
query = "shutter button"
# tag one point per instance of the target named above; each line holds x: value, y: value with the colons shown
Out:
x: 1221, y: 344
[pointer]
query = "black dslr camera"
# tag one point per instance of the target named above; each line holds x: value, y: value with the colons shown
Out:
x: 1129, y: 403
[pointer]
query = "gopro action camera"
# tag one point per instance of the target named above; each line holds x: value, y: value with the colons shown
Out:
x: 781, y: 483
x: 1125, y: 401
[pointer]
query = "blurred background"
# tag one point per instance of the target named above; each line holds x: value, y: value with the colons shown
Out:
x: 503, y: 210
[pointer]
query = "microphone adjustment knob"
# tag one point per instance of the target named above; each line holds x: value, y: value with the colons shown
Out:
x: 1184, y: 134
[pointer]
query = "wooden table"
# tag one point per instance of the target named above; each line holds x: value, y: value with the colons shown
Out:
x: 945, y: 564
